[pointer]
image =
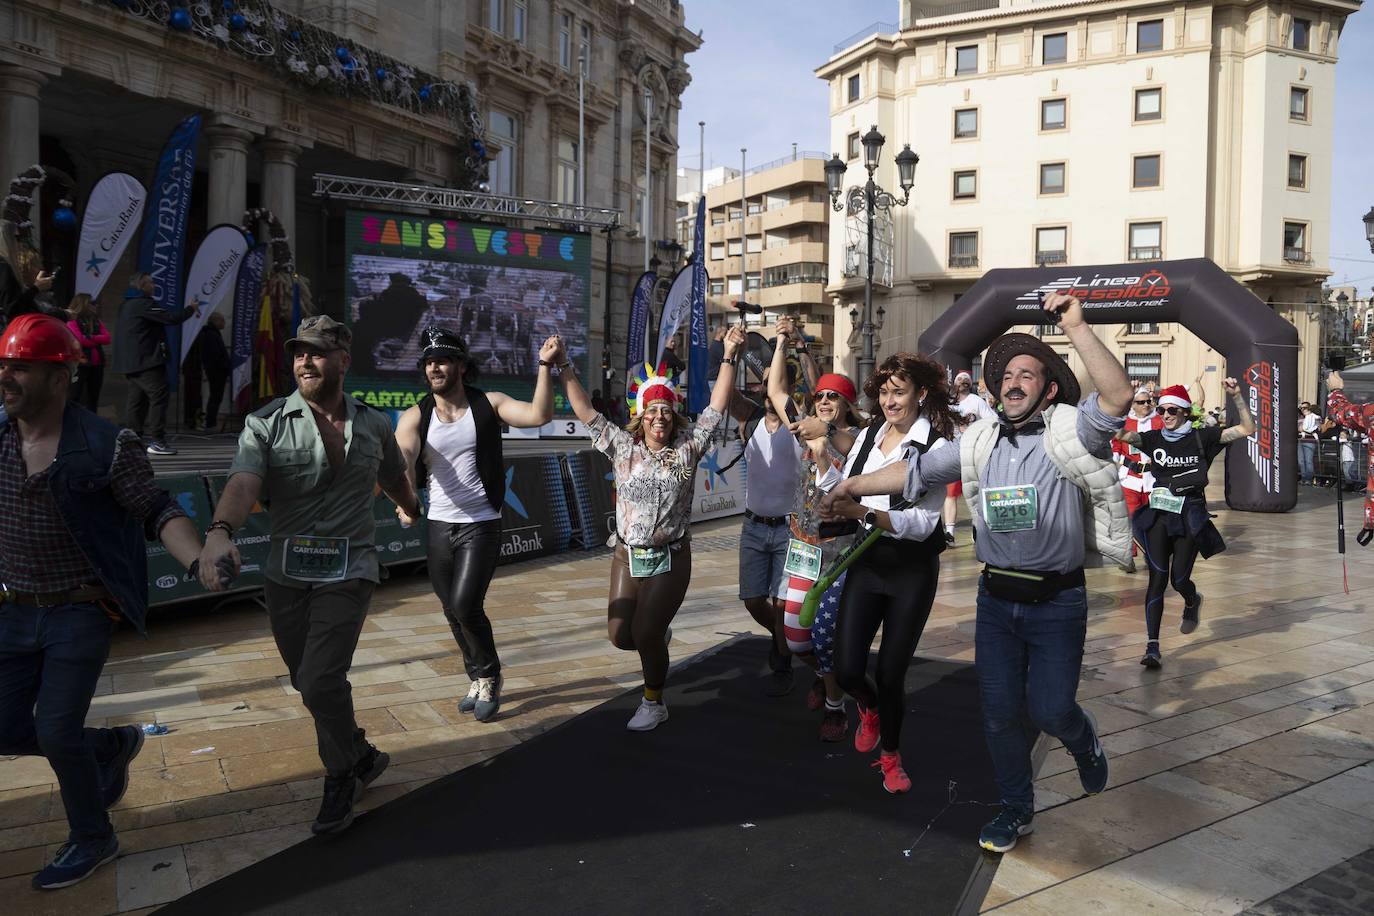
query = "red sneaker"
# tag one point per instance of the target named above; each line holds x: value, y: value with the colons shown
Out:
x: 815, y: 697
x: 895, y: 780
x: 866, y: 738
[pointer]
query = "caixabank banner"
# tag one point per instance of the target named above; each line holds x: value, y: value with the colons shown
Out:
x: 593, y: 489
x: 535, y: 520
x: 719, y: 488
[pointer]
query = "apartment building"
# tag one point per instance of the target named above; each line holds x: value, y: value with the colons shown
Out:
x: 1097, y: 132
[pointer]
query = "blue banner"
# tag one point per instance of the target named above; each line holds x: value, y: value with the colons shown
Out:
x: 639, y: 323
x: 163, y: 242
x: 698, y: 358
x: 247, y: 301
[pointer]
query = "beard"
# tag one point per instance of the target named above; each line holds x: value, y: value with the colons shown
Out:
x: 443, y: 387
x: 323, y: 388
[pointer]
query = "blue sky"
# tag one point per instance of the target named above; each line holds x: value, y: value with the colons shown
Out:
x: 752, y: 44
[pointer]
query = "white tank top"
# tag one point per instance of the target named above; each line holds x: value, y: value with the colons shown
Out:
x: 456, y: 493
x: 774, y: 462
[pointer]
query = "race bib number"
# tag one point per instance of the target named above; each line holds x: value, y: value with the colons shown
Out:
x: 647, y: 562
x: 315, y: 559
x: 1164, y: 501
x: 1011, y: 508
x: 803, y: 560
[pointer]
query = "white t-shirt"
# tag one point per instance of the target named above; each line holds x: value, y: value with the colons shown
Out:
x: 974, y: 406
x: 1310, y: 423
x: 774, y: 463
x: 456, y: 493
x: 915, y: 523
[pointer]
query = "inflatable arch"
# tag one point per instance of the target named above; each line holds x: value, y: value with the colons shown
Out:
x: 1259, y: 347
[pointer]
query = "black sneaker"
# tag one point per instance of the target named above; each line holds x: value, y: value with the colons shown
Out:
x: 336, y: 809
x: 488, y: 698
x: 76, y: 862
x: 1151, y: 659
x: 114, y: 773
x: 779, y: 683
x: 949, y: 538
x: 373, y: 764
x: 1191, y: 615
x: 1092, y: 764
x: 469, y: 702
x: 1002, y: 832
x: 160, y: 448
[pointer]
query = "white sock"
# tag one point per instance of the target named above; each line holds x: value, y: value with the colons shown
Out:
x: 832, y: 706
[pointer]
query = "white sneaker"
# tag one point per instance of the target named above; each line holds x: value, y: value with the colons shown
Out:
x: 469, y: 702
x: 648, y: 717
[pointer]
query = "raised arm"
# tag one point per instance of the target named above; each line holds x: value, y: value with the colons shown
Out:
x: 239, y: 496
x: 1108, y: 376
x: 725, y: 381
x: 777, y: 370
x: 539, y: 410
x: 1246, y: 427
x: 577, y: 396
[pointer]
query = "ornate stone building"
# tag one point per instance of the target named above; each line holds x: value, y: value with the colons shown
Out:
x: 94, y: 85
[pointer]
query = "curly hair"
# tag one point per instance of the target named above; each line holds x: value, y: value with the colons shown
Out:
x: 922, y: 372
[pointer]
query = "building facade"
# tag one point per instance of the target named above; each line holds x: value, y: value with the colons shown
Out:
x: 1099, y: 132
x: 88, y: 86
x: 767, y: 235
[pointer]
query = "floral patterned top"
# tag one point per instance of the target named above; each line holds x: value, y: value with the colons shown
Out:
x: 653, y: 498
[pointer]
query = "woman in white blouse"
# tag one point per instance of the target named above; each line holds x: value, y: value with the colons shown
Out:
x: 893, y: 583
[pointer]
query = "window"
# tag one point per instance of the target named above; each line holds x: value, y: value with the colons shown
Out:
x: 854, y: 88
x: 1052, y: 245
x: 1302, y: 34
x: 1054, y: 114
x: 717, y: 287
x: 754, y: 244
x: 717, y: 218
x: 1295, y: 243
x: 1145, y: 241
x: 1145, y: 171
x: 1142, y: 368
x: 733, y: 248
x: 751, y: 283
x: 1054, y: 49
x: 852, y: 143
x: 565, y: 24
x: 1052, y: 178
x: 496, y: 16
x: 584, y: 45
x: 965, y: 123
x: 501, y: 172
x: 755, y: 207
x: 1297, y: 171
x: 1149, y: 104
x: 963, y: 249
x: 1142, y: 327
x: 966, y: 60
x: 717, y: 251
x: 1149, y: 36
x: 518, y: 21
x: 733, y: 287
x: 1297, y: 103
x: 567, y: 171
x: 965, y: 185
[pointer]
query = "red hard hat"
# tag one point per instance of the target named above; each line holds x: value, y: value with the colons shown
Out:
x: 39, y: 338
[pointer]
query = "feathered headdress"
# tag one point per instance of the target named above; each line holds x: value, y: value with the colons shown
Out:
x: 649, y: 384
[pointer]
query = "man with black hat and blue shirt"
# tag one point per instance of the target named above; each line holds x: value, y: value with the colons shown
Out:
x: 451, y: 441
x: 313, y: 459
x: 1041, y: 487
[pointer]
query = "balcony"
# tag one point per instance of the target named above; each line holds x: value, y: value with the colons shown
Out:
x: 1145, y: 254
x: 1297, y: 255
x: 794, y: 253
x: 792, y: 294
x: 962, y: 261
x: 1052, y: 257
x: 794, y: 215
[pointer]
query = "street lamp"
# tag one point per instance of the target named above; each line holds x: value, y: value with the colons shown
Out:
x: 872, y: 198
x: 1368, y: 227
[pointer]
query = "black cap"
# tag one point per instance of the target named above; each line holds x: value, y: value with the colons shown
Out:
x: 437, y: 341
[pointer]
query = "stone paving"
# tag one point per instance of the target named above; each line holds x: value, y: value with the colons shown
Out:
x: 1240, y: 771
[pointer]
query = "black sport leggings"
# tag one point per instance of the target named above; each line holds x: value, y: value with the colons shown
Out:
x: 639, y: 610
x: 1160, y: 549
x: 462, y: 559
x: 893, y: 586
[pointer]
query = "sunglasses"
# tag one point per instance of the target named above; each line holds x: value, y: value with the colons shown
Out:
x: 1181, y: 411
x: 829, y: 396
x: 1146, y: 401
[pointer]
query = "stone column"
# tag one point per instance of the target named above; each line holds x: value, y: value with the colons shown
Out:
x: 227, y: 147
x: 19, y: 124
x: 280, y: 152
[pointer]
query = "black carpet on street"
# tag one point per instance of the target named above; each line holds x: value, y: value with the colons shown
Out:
x: 731, y: 806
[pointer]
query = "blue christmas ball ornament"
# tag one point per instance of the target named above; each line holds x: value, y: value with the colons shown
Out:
x: 341, y: 53
x: 237, y: 22
x: 479, y: 148
x: 64, y: 218
x: 423, y: 93
x: 349, y: 66
x: 180, y: 20
x: 295, y: 34
x: 380, y: 73
x: 228, y: 5
x: 251, y: 241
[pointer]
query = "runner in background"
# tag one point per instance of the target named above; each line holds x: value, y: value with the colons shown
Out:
x: 969, y: 406
x: 1132, y: 464
x: 654, y: 459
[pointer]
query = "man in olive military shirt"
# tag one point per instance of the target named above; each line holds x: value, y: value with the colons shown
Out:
x: 313, y: 460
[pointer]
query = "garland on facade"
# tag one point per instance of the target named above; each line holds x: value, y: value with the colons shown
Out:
x: 319, y: 60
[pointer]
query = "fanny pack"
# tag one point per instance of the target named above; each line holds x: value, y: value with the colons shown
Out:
x: 1029, y: 586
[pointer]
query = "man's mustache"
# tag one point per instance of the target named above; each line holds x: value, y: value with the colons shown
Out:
x: 1014, y: 392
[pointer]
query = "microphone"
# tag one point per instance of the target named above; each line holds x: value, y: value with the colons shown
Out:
x: 748, y: 308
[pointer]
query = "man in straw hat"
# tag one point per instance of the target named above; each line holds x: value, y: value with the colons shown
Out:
x: 1026, y: 477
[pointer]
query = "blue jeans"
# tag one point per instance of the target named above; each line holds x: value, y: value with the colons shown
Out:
x: 1028, y: 658
x: 50, y: 663
x: 762, y: 554
x: 1307, y: 461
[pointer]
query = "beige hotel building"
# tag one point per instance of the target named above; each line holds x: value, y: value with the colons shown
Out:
x: 1094, y: 132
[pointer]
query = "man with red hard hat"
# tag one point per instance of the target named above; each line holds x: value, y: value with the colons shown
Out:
x: 77, y: 502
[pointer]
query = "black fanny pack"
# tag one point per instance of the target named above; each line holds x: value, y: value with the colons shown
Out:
x: 1029, y: 586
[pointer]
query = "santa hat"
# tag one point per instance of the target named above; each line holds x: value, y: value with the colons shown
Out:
x: 1145, y: 391
x: 963, y: 377
x: 1175, y: 396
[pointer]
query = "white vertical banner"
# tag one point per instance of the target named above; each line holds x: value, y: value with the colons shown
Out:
x: 675, y: 310
x: 113, y: 213
x: 212, y: 274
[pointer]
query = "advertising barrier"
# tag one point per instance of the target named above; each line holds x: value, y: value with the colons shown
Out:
x: 720, y: 493
x: 593, y: 490
x: 168, y: 581
x: 396, y: 544
x: 535, y: 521
x: 253, y: 539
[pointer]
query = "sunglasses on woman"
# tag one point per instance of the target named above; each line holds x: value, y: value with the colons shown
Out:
x: 829, y: 396
x: 1181, y: 411
x: 1146, y: 401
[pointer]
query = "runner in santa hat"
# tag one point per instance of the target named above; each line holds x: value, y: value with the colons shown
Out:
x: 973, y: 407
x: 1133, y: 464
x: 1173, y: 527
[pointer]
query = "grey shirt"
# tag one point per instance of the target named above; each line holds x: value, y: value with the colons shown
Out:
x: 1056, y: 543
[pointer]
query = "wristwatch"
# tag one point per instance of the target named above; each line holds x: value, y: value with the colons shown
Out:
x: 871, y: 518
x: 830, y: 430
x: 728, y: 360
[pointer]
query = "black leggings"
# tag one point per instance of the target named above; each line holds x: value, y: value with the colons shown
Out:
x: 893, y: 586
x: 462, y: 559
x: 1160, y: 548
x: 639, y: 610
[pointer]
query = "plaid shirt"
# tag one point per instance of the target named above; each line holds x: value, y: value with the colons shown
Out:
x: 37, y: 552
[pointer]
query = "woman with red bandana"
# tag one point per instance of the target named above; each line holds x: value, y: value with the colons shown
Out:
x: 655, y: 462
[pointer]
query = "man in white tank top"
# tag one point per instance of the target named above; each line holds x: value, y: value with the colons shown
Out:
x: 456, y: 434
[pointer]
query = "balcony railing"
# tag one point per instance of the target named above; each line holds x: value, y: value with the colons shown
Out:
x: 1297, y: 255
x: 873, y: 28
x: 958, y: 261
x: 1146, y: 254
x: 1052, y: 257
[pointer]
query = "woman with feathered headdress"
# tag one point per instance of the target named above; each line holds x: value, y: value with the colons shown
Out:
x: 655, y: 461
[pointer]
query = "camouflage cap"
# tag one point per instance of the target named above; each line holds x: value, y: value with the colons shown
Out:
x: 322, y: 333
